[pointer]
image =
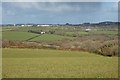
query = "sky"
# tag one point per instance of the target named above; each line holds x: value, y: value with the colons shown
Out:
x: 58, y: 12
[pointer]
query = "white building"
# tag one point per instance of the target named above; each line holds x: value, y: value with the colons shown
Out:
x: 42, y: 32
x: 38, y: 25
x: 22, y: 25
x: 43, y: 25
x: 87, y: 30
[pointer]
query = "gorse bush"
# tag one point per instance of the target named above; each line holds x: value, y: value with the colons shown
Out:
x: 109, y: 48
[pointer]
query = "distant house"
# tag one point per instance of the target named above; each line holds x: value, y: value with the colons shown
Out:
x: 42, y: 32
x: 87, y: 30
x: 23, y: 25
x: 38, y: 25
x: 14, y: 24
x: 43, y: 25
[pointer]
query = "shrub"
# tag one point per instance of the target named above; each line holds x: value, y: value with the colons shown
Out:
x: 109, y: 48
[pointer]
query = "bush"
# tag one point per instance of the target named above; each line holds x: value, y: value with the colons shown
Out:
x: 100, y: 45
x: 109, y: 48
x: 51, y: 32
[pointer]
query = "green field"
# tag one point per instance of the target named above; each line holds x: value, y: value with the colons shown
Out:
x: 22, y: 34
x: 14, y: 35
x: 46, y: 63
x: 50, y: 37
x: 83, y: 33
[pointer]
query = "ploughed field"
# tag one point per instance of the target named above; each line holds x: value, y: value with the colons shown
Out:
x: 46, y: 63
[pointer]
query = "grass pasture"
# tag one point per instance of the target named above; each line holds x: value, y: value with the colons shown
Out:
x: 46, y: 63
x: 22, y: 36
x: 50, y: 37
x: 49, y: 63
x: 14, y: 35
x: 21, y: 33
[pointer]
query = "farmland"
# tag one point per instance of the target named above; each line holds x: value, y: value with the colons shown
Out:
x: 42, y: 63
x: 100, y: 40
x: 59, y: 39
x: 17, y: 35
x: 22, y: 34
x: 62, y: 52
x: 49, y: 37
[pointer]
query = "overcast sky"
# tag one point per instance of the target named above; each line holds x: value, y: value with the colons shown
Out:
x: 58, y: 12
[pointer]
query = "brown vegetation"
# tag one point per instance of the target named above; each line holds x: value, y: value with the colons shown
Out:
x: 102, y: 45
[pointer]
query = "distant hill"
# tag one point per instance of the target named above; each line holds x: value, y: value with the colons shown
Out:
x: 100, y: 24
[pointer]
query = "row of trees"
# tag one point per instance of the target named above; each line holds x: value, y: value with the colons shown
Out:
x: 39, y: 32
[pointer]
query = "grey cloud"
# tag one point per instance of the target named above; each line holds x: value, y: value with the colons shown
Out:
x: 58, y: 6
x: 60, y: 0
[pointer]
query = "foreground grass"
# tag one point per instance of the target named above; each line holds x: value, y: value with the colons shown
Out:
x: 41, y: 63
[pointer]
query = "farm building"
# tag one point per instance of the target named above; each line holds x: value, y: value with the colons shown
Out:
x: 22, y: 25
x: 42, y: 32
x: 87, y: 30
x: 43, y: 25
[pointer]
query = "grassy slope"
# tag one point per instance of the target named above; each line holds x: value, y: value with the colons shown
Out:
x: 14, y: 35
x: 49, y: 37
x: 83, y: 33
x: 20, y: 33
x: 39, y: 63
